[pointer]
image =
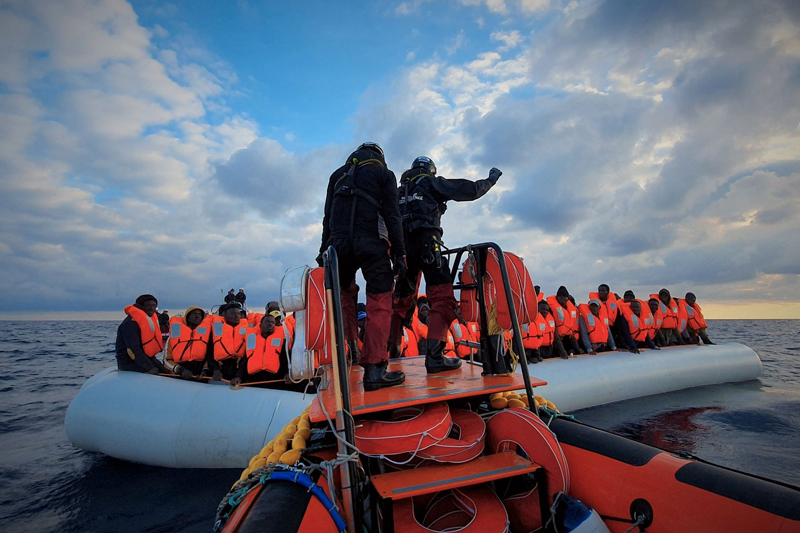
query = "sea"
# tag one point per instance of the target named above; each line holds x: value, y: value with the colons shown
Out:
x: 47, y: 485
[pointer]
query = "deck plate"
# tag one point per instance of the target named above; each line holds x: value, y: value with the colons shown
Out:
x: 419, y: 388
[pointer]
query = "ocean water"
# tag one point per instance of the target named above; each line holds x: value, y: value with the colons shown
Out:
x: 48, y: 485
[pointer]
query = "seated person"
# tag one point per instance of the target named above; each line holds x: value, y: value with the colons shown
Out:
x: 658, y: 320
x: 229, y: 343
x: 420, y: 325
x: 139, y: 338
x: 190, y: 343
x: 240, y: 297
x: 628, y: 296
x: 595, y: 331
x: 265, y: 354
x: 696, y: 326
x: 670, y: 325
x: 462, y: 334
x: 566, y: 316
x: 230, y: 297
x: 635, y: 334
x: 549, y: 343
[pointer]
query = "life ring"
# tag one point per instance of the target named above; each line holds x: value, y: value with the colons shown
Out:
x: 467, y: 510
x: 467, y: 445
x: 316, y: 316
x: 410, y: 429
x: 518, y: 430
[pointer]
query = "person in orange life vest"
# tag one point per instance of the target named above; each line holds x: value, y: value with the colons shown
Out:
x: 549, y: 343
x: 139, y: 338
x: 632, y: 312
x: 595, y: 332
x: 670, y: 325
x: 265, y: 354
x: 608, y: 301
x: 229, y: 343
x: 362, y: 223
x: 462, y: 334
x: 361, y: 320
x: 420, y: 326
x: 409, y: 347
x: 628, y: 297
x: 658, y: 319
x: 696, y: 326
x: 566, y: 317
x: 190, y: 343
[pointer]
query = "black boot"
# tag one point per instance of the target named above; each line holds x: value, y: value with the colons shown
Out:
x: 353, y: 353
x: 376, y: 377
x: 435, y: 361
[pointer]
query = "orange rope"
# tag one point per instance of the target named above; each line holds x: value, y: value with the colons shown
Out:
x: 263, y: 382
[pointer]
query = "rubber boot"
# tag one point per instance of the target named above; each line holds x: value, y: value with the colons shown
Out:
x: 436, y: 362
x: 376, y: 377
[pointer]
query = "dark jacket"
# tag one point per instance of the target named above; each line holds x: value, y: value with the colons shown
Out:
x: 423, y: 197
x: 130, y: 355
x: 230, y: 298
x: 240, y: 297
x: 375, y: 213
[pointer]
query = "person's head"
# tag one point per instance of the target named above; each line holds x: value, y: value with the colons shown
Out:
x: 233, y: 313
x: 243, y: 313
x: 602, y: 292
x: 628, y: 297
x: 165, y: 312
x: 147, y: 303
x: 652, y: 303
x: 361, y: 319
x: 277, y: 316
x: 426, y: 163
x: 562, y: 296
x: 372, y: 147
x: 273, y: 306
x: 231, y: 291
x: 690, y: 298
x: 267, y: 325
x: 537, y: 288
x: 544, y: 308
x: 194, y: 316
x: 241, y: 289
x: 594, y: 307
x: 636, y: 308
x: 664, y: 296
x: 424, y: 313
x: 423, y: 300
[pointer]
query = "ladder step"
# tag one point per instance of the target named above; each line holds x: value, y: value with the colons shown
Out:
x: 430, y: 479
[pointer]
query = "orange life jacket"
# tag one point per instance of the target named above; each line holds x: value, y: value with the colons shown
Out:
x: 254, y: 319
x: 149, y: 330
x: 670, y: 312
x: 186, y: 344
x: 450, y: 345
x: 291, y: 323
x: 566, y: 319
x: 647, y: 317
x: 263, y: 354
x: 229, y: 341
x: 638, y: 328
x: 475, y: 331
x: 408, y: 344
x: 545, y: 329
x: 597, y: 327
x: 696, y: 320
x: 683, y: 315
x: 530, y: 340
x: 461, y: 332
x: 609, y: 307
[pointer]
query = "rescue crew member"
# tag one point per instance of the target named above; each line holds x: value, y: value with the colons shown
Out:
x: 423, y: 200
x: 230, y: 297
x: 240, y: 297
x: 635, y: 333
x: 696, y: 322
x: 189, y: 343
x: 362, y: 223
x: 595, y: 331
x: 139, y: 338
x: 265, y: 354
x: 229, y: 343
x: 566, y: 316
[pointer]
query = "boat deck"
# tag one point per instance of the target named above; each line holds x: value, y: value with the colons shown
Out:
x: 419, y: 387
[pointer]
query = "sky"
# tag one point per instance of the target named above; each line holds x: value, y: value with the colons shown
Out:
x: 183, y: 148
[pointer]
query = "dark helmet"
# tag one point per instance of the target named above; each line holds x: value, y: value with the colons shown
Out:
x: 426, y: 163
x: 371, y: 146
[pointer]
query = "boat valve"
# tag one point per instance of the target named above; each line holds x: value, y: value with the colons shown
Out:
x: 642, y: 513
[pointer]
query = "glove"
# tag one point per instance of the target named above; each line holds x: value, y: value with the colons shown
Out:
x: 494, y: 175
x: 153, y: 370
x: 186, y: 374
x: 217, y: 375
x: 399, y: 266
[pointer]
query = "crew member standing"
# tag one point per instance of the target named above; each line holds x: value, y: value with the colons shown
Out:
x: 362, y: 223
x: 423, y: 200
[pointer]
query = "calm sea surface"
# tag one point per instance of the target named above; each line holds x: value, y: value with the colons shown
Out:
x: 47, y: 485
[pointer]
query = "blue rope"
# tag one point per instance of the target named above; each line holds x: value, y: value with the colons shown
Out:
x: 305, y: 481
